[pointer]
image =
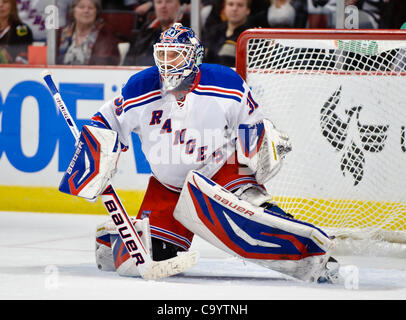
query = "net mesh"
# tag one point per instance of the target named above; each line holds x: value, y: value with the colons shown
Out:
x: 342, y: 102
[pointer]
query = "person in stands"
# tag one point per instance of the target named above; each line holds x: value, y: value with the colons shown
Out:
x: 220, y: 40
x: 166, y: 13
x: 15, y: 36
x: 87, y: 40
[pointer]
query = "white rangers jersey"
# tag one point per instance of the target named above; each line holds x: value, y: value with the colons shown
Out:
x: 199, y: 134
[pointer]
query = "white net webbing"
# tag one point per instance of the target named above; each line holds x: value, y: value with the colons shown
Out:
x: 343, y: 103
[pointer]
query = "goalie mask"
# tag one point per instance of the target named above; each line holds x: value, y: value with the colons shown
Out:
x: 178, y: 55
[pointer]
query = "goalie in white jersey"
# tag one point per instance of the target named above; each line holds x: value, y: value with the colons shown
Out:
x: 210, y: 151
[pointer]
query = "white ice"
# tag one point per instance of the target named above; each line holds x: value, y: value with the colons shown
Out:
x: 51, y: 256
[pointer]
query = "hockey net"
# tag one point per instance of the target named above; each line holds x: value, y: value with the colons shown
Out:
x: 341, y: 97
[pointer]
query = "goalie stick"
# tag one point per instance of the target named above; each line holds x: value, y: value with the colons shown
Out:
x: 148, y: 269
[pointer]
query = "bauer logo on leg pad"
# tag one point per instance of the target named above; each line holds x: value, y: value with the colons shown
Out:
x: 92, y: 164
x: 242, y: 228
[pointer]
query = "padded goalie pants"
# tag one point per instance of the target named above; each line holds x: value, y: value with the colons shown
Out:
x: 159, y: 204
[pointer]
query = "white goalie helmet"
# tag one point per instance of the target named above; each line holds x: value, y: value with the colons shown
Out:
x: 178, y: 54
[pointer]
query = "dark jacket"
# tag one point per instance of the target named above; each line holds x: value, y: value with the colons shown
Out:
x: 141, y: 52
x: 14, y: 44
x: 219, y: 48
x: 141, y: 49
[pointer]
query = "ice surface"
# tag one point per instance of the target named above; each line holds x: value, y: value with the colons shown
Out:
x: 51, y: 256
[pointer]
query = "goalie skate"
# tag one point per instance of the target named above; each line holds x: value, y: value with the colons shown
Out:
x: 330, y: 272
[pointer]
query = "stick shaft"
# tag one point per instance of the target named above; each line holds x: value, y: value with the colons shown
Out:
x: 61, y: 105
x: 116, y: 210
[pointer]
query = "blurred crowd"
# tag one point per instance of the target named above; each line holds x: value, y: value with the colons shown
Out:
x: 122, y: 32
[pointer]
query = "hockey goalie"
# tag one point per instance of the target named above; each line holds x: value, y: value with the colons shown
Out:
x: 211, y: 151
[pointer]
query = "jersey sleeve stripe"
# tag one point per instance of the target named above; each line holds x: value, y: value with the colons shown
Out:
x: 218, y: 92
x: 214, y: 94
x: 141, y: 103
x: 204, y: 88
x: 100, y: 119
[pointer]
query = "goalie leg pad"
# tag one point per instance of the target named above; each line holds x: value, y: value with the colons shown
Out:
x: 240, y: 228
x: 93, y: 163
x: 103, y: 252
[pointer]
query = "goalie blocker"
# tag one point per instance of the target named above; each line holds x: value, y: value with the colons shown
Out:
x: 93, y: 163
x: 264, y: 236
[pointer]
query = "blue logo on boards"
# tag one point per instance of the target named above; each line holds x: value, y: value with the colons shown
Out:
x: 54, y: 135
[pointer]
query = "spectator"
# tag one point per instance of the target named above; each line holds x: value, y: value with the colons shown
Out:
x: 87, y: 41
x: 142, y: 10
x: 302, y: 13
x: 212, y: 13
x: 15, y: 36
x: 220, y: 40
x: 167, y: 12
x: 64, y: 7
x: 282, y: 14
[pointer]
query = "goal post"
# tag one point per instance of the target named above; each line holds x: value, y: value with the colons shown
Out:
x: 341, y: 97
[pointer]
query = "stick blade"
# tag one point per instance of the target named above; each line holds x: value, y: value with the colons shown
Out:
x: 170, y: 267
